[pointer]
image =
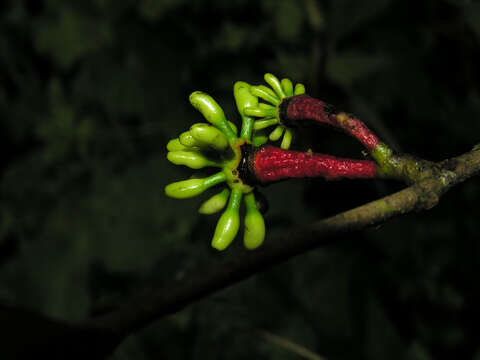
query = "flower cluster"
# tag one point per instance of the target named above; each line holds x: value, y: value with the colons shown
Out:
x: 218, y: 144
x: 244, y: 161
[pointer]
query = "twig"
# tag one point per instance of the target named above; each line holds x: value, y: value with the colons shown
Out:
x: 159, y: 300
x: 289, y: 345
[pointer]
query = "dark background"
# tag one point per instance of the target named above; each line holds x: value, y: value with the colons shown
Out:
x: 91, y: 91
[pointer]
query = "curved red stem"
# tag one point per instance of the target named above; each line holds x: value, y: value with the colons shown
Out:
x: 302, y: 108
x: 272, y: 164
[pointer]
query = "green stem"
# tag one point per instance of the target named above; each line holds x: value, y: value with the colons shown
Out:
x: 235, y: 200
x: 247, y: 128
x: 215, y: 179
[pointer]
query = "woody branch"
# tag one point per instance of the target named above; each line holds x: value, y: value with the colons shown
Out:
x: 160, y: 300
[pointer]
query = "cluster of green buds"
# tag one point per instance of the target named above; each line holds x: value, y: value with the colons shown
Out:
x: 244, y: 160
x: 218, y: 144
x: 267, y: 113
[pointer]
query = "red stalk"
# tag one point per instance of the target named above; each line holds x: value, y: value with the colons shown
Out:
x: 303, y: 108
x: 271, y: 164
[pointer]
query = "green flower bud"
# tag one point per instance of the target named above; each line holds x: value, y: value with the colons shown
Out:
x: 265, y: 93
x: 287, y: 87
x: 229, y: 222
x: 262, y: 124
x: 244, y: 99
x: 277, y: 133
x: 192, y: 159
x: 212, y: 112
x: 186, y: 139
x: 215, y: 203
x: 210, y: 136
x: 254, y: 224
x: 273, y: 81
x: 287, y: 139
x: 175, y: 145
x: 259, y: 140
x: 193, y: 187
x: 299, y: 89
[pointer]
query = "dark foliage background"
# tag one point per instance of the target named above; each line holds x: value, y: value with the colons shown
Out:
x: 91, y: 91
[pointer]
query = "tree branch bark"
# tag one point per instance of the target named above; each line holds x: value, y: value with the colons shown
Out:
x: 159, y: 300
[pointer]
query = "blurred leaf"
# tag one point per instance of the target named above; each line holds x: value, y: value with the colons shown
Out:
x: 57, y: 132
x: 347, y: 67
x: 153, y: 10
x: 461, y: 2
x: 382, y: 340
x: 231, y: 37
x: 315, y: 15
x: 288, y: 19
x: 346, y: 16
x: 472, y: 16
x: 69, y: 35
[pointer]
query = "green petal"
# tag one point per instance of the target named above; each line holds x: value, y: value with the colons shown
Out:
x: 215, y: 203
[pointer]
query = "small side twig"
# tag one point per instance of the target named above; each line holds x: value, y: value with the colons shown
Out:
x: 288, y: 345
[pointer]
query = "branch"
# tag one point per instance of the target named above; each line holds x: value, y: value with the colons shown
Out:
x: 156, y: 302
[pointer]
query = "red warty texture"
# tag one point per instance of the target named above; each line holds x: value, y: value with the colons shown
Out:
x: 305, y: 108
x: 273, y: 164
x: 358, y: 130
